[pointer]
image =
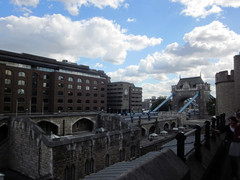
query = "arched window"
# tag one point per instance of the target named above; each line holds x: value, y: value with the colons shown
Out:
x: 8, y: 72
x: 70, y: 79
x: 60, y: 78
x: 87, y: 81
x: 79, y: 80
x: 21, y: 74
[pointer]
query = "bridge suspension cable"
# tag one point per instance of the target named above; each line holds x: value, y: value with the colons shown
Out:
x: 189, y: 102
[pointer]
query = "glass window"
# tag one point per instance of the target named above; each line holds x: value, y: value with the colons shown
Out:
x: 70, y: 79
x: 45, y: 92
x: 102, y: 82
x: 45, y: 85
x: 95, y: 95
x: 60, y: 93
x: 70, y: 86
x: 7, y: 99
x: 95, y: 82
x: 79, y: 80
x: 21, y: 83
x: 21, y: 74
x: 79, y: 87
x: 79, y: 101
x: 70, y: 93
x: 7, y: 90
x: 8, y: 72
x: 45, y: 76
x: 60, y: 100
x: 70, y: 101
x: 60, y: 78
x: 87, y: 101
x: 87, y: 81
x: 79, y: 94
x: 21, y: 100
x: 87, y: 88
x: 20, y: 91
x: 7, y: 81
x: 87, y: 94
x: 60, y: 84
x: 102, y: 89
x: 95, y: 88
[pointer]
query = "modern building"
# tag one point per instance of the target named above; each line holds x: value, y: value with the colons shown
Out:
x: 124, y: 97
x: 34, y: 84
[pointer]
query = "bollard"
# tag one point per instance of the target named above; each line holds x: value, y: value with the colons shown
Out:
x: 180, y: 145
x: 197, y: 144
x: 207, y: 134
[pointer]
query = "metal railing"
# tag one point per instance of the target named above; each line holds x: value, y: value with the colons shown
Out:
x: 217, y: 123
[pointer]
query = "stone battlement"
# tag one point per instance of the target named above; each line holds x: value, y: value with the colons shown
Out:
x: 223, y: 76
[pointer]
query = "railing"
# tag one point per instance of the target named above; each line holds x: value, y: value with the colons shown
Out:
x: 215, y: 123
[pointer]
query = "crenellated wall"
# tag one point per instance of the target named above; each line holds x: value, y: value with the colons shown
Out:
x: 228, y: 90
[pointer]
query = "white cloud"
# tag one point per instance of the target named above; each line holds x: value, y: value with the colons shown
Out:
x: 20, y: 3
x: 200, y: 8
x: 73, y: 6
x: 98, y: 65
x: 131, y: 20
x: 59, y: 37
x: 202, y: 45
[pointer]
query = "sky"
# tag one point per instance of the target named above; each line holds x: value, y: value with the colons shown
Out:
x: 151, y: 43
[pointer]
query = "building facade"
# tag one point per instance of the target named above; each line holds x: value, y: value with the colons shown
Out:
x: 124, y: 97
x: 228, y: 90
x: 34, y: 84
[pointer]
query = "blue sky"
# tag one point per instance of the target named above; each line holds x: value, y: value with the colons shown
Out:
x: 150, y: 43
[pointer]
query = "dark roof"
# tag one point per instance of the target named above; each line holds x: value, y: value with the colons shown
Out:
x: 192, y: 81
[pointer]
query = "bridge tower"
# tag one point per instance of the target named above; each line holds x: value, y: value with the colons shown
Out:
x: 188, y: 88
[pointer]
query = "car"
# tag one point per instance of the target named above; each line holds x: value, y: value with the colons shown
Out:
x: 101, y: 130
x: 163, y: 132
x: 152, y: 136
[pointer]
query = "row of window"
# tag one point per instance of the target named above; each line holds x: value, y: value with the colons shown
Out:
x: 45, y: 76
x: 79, y: 101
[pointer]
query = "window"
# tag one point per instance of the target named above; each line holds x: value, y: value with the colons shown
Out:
x: 21, y: 83
x: 60, y: 84
x: 34, y: 100
x: 102, y: 82
x: 7, y: 99
x: 102, y: 89
x: 107, y: 160
x: 60, y: 78
x: 20, y: 91
x: 87, y: 88
x: 70, y: 79
x: 70, y: 93
x: 21, y: 100
x: 79, y: 87
x: 79, y: 94
x: 60, y: 93
x: 21, y: 74
x: 95, y: 101
x: 102, y: 102
x: 8, y: 72
x: 79, y: 101
x: 87, y: 101
x: 95, y: 88
x: 79, y: 80
x: 7, y: 81
x: 87, y: 81
x: 45, y: 100
x: 95, y: 95
x: 87, y: 94
x: 102, y: 95
x: 95, y: 82
x: 45, y: 85
x: 45, y: 76
x: 7, y: 90
x: 70, y: 86
x: 45, y: 92
x: 60, y: 100
x: 70, y: 101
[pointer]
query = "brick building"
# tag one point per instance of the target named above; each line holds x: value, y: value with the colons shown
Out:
x: 34, y: 84
x: 124, y: 97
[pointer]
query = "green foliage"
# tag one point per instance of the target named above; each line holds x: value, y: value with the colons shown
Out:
x: 165, y: 107
x: 211, y: 105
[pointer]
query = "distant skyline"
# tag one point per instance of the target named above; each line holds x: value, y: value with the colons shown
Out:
x: 150, y: 43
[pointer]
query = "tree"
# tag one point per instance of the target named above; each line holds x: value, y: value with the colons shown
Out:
x: 165, y: 107
x: 211, y: 105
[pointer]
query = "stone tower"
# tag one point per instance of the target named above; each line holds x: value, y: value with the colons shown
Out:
x: 228, y: 90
